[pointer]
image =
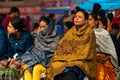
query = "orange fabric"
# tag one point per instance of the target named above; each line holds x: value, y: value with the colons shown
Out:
x: 105, y: 71
x: 109, y: 25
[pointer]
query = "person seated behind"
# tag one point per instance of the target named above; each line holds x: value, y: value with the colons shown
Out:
x: 35, y: 30
x: 68, y: 25
x: 18, y: 43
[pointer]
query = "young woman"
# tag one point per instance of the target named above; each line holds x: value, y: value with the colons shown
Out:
x: 18, y: 43
x: 107, y: 63
x: 36, y: 60
x: 93, y: 21
x: 75, y: 56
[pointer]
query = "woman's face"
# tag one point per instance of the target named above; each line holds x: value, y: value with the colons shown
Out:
x: 42, y: 26
x: 91, y: 21
x: 11, y: 29
x: 79, y: 19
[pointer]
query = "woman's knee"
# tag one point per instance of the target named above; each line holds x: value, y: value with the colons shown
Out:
x: 27, y: 72
x: 4, y: 63
x: 39, y: 67
x: 27, y: 75
x: 17, y: 64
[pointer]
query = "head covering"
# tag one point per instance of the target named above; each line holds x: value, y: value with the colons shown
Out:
x: 76, y: 48
x: 45, y: 45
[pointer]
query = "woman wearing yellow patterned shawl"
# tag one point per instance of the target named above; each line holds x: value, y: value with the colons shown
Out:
x: 76, y: 48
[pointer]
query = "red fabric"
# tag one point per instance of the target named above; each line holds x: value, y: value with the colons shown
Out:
x: 73, y: 19
x: 27, y: 24
x: 116, y: 20
x: 117, y: 13
x: 6, y: 21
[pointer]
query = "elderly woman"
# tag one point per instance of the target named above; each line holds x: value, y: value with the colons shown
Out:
x: 36, y: 60
x: 75, y: 56
x: 18, y: 43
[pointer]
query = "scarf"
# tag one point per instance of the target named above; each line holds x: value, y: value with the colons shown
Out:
x: 42, y: 51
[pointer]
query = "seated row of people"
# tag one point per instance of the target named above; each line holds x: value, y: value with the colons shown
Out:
x: 81, y: 52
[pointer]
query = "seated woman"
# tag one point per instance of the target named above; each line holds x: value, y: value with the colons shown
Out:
x: 19, y: 41
x: 107, y: 64
x: 75, y: 50
x: 37, y: 58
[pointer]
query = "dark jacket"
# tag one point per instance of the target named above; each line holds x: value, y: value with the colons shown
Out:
x: 19, y: 46
x: 3, y: 43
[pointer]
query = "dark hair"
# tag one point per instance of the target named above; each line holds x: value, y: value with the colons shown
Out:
x: 96, y: 8
x: 104, y: 22
x: 28, y: 17
x: 115, y: 26
x: 35, y: 26
x: 84, y: 12
x: 45, y: 19
x: 51, y: 15
x: 14, y: 9
x: 110, y: 16
x: 77, y: 8
x: 18, y: 23
x: 72, y: 12
x: 94, y: 16
x: 101, y: 13
x: 69, y: 24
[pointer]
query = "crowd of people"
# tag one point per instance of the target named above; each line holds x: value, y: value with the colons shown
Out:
x: 79, y: 46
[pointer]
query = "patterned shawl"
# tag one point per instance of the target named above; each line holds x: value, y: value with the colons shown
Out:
x: 76, y: 48
x: 42, y: 51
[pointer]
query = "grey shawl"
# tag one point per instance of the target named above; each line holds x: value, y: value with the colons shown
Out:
x: 105, y: 44
x: 45, y: 45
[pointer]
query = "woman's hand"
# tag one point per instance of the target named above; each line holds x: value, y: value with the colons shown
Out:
x: 10, y: 61
x: 4, y: 63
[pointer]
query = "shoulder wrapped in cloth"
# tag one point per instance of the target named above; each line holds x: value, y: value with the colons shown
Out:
x: 106, y: 45
x: 42, y: 51
x: 76, y: 48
